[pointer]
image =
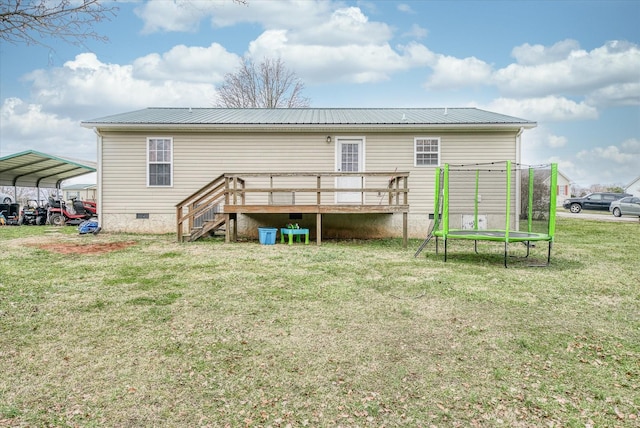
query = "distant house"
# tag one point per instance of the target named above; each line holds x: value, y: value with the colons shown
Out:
x: 342, y: 172
x: 564, y: 188
x: 85, y: 192
x: 633, y: 187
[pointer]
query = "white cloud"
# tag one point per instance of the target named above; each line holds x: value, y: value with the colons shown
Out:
x: 188, y: 64
x: 538, y: 54
x: 323, y: 42
x: 556, y: 141
x: 186, y: 15
x: 615, y: 164
x: 88, y: 83
x: 416, y: 32
x: 342, y: 27
x: 632, y: 146
x: 403, y: 7
x: 603, y: 77
x: 352, y: 62
x: 624, y: 154
x: 622, y: 94
x: 548, y: 108
x: 538, y: 143
x: 451, y: 72
x: 563, y: 69
x: 86, y: 88
x: 170, y: 15
x: 26, y: 126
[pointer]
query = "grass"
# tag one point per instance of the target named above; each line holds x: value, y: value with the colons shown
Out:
x: 352, y: 333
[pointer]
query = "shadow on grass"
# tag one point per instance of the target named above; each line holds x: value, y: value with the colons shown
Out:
x: 493, y: 254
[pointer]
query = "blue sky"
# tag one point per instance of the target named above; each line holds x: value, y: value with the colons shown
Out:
x: 571, y: 66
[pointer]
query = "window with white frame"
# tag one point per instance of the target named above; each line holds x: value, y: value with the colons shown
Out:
x: 427, y: 151
x: 160, y: 162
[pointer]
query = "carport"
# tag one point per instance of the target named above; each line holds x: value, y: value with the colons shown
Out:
x: 40, y: 170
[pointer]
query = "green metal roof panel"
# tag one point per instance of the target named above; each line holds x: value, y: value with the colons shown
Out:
x: 35, y: 169
x: 309, y: 116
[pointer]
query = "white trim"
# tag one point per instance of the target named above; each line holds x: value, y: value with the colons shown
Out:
x: 415, y: 151
x: 170, y: 161
x: 361, y: 160
x: 361, y: 141
x: 99, y: 174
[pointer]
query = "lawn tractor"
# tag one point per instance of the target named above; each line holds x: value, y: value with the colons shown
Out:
x: 34, y: 213
x: 59, y: 214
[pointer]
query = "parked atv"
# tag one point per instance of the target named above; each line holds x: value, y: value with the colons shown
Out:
x: 34, y: 213
x: 59, y: 214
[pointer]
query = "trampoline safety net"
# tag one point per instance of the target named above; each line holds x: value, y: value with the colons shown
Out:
x: 497, y: 201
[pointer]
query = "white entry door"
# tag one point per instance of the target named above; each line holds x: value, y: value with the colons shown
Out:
x: 349, y: 158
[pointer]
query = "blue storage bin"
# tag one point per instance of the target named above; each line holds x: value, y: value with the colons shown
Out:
x: 267, y: 235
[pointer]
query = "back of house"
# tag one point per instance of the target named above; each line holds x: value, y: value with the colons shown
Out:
x: 152, y: 159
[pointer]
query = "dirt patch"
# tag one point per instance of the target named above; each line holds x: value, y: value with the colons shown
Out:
x: 99, y: 248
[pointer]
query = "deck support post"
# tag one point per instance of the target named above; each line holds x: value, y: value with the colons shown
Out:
x: 404, y: 229
x: 179, y: 223
x: 231, y: 221
x: 318, y: 229
x: 235, y: 227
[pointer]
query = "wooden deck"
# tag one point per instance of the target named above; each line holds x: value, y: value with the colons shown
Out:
x: 292, y: 192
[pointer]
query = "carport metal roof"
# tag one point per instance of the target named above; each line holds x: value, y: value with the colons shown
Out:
x: 35, y: 169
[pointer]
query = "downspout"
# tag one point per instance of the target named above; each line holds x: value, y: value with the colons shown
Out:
x: 518, y: 146
x: 99, y: 174
x: 518, y: 177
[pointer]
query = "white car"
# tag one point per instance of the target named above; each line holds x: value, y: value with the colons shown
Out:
x: 5, y: 199
x: 625, y: 206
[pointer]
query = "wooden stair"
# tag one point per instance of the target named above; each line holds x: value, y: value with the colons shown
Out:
x: 209, y: 227
x: 200, y: 213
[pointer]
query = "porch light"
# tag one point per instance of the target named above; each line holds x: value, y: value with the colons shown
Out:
x: 328, y: 139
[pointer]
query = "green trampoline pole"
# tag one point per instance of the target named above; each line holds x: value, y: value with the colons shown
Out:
x: 552, y: 199
x: 445, y: 202
x: 530, y: 208
x: 508, y: 210
x: 436, y: 199
x: 475, y: 207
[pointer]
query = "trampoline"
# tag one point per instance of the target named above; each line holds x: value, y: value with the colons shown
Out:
x: 498, y: 202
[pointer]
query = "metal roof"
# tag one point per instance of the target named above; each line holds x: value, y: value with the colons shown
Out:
x: 309, y: 116
x: 35, y: 169
x: 79, y: 186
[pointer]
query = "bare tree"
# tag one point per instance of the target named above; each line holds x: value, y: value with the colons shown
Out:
x: 269, y: 85
x: 31, y: 21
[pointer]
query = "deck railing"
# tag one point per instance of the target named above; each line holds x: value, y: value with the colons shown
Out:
x: 313, y: 189
x: 295, y: 192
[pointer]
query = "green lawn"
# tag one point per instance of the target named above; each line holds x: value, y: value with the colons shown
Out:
x: 351, y: 334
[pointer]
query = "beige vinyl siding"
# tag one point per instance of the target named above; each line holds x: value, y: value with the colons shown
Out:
x: 386, y: 152
x: 481, y: 149
x: 199, y: 157
x: 492, y: 195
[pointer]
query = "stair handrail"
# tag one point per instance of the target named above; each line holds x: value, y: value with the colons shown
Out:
x: 208, y: 194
